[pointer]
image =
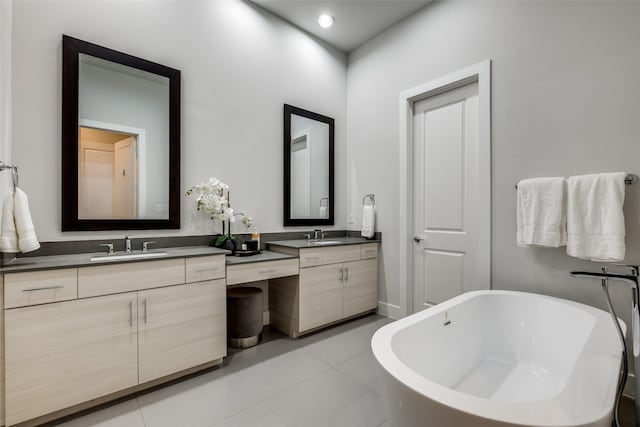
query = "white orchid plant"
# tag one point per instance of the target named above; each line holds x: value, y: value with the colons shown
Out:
x: 212, y: 197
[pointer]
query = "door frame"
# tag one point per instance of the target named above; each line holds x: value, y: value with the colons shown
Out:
x: 141, y: 152
x: 480, y: 73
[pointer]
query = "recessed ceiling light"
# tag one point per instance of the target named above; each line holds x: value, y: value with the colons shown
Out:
x: 325, y: 21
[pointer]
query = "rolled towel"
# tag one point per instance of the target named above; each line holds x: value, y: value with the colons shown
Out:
x: 595, y: 220
x: 541, y: 212
x: 8, y: 235
x: 368, y: 221
x: 323, y: 212
x: 27, y: 240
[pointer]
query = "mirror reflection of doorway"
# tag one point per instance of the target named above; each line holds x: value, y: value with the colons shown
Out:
x: 300, y: 176
x: 108, y: 170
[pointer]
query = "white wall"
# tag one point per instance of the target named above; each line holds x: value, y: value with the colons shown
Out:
x: 239, y: 66
x: 5, y: 92
x: 565, y: 101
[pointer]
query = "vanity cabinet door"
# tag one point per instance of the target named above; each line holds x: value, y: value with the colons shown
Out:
x: 62, y: 354
x: 320, y: 295
x: 181, y: 327
x: 360, y: 286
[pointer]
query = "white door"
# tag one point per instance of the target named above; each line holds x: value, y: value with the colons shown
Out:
x: 95, y: 180
x: 446, y: 191
x: 124, y: 179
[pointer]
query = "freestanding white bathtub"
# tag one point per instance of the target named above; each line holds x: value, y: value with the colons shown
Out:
x: 500, y: 358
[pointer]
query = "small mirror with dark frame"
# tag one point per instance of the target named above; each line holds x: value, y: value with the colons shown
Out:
x: 308, y: 168
x: 120, y: 140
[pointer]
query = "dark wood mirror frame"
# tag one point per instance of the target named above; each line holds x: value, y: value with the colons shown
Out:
x: 288, y: 221
x: 71, y: 50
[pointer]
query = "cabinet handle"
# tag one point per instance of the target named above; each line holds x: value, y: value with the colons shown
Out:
x: 346, y: 276
x: 206, y: 269
x: 342, y: 274
x: 130, y: 313
x: 270, y: 270
x: 43, y: 288
x: 144, y: 310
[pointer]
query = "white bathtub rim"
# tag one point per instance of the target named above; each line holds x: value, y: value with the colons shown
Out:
x: 539, y: 413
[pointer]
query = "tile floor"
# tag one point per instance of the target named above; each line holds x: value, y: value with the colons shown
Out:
x: 325, y: 379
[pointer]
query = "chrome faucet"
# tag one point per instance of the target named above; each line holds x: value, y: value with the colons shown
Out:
x: 630, y: 279
x: 127, y: 244
x: 317, y: 233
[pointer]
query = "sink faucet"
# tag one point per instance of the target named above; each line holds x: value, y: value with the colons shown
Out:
x: 127, y: 244
x: 317, y: 234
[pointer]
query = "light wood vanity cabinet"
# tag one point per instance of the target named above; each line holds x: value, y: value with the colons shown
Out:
x: 127, y: 325
x: 180, y: 327
x: 327, y: 290
x: 59, y: 355
x: 321, y: 293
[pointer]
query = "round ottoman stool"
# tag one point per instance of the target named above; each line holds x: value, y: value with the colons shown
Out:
x: 244, y: 316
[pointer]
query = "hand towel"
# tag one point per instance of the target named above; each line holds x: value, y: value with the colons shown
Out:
x: 541, y: 212
x: 27, y: 240
x: 8, y: 236
x: 595, y: 221
x: 323, y: 212
x: 368, y: 221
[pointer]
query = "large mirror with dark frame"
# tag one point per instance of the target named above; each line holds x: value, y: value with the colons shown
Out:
x: 308, y: 167
x: 120, y: 140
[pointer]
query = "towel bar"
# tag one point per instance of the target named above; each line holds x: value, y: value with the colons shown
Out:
x: 14, y: 173
x: 371, y: 196
x: 630, y: 179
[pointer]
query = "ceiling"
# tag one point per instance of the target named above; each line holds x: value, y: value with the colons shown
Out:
x: 356, y: 21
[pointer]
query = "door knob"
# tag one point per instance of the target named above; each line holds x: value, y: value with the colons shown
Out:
x: 417, y: 239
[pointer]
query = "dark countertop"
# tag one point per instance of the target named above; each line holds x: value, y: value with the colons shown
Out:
x: 339, y: 241
x: 261, y: 257
x: 84, y: 260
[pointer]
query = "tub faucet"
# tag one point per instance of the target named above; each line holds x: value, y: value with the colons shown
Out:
x: 127, y: 244
x: 632, y: 281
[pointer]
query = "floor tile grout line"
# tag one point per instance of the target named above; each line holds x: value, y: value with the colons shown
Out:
x: 139, y: 405
x: 297, y: 384
x: 273, y: 411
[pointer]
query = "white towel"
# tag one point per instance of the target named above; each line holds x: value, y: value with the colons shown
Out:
x: 541, y: 212
x: 27, y: 240
x: 368, y: 221
x: 323, y: 212
x: 595, y: 221
x: 8, y: 236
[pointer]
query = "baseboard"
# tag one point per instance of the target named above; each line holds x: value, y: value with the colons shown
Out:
x: 629, y: 389
x: 389, y: 310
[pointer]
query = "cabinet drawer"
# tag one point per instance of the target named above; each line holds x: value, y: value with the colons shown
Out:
x: 200, y: 269
x: 329, y: 255
x: 368, y: 250
x: 40, y: 287
x: 253, y: 272
x: 116, y: 278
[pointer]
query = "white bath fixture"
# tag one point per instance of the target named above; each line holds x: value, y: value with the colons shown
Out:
x: 500, y: 358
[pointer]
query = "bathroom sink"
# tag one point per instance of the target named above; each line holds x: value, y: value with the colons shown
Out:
x: 126, y: 257
x: 325, y: 242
